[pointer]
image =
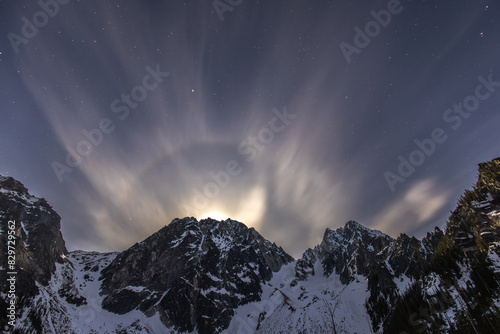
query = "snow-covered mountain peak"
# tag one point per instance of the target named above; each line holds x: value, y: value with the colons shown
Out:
x: 16, y: 191
x: 351, y: 232
x: 193, y: 273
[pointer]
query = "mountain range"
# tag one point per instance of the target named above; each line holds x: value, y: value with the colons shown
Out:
x: 214, y: 276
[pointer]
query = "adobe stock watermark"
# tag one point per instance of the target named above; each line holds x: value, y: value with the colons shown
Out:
x: 363, y: 38
x: 454, y: 117
x: 249, y: 149
x: 11, y: 274
x: 222, y: 6
x: 29, y: 29
x: 121, y: 108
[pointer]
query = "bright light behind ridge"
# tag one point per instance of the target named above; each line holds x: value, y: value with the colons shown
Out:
x: 215, y: 215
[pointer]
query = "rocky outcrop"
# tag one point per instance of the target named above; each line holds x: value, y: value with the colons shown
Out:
x: 192, y: 273
x: 354, y: 250
x: 475, y: 223
x: 39, y: 243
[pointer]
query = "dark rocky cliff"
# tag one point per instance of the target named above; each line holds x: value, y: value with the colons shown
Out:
x: 39, y: 244
x: 192, y: 273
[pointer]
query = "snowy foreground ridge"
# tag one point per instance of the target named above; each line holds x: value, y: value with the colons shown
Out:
x: 214, y: 276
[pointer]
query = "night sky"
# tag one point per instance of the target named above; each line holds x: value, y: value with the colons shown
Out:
x: 289, y: 116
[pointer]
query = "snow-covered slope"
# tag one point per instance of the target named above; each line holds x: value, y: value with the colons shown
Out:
x: 317, y: 305
x: 71, y: 302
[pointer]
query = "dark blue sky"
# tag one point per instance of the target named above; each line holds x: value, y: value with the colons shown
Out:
x: 290, y: 116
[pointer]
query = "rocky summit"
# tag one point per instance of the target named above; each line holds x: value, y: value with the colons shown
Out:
x: 214, y: 276
x: 193, y: 274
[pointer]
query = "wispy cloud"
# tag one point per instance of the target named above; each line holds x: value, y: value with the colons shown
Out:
x: 225, y: 79
x: 421, y: 203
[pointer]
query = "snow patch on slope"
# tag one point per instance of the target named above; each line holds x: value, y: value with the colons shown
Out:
x: 290, y: 306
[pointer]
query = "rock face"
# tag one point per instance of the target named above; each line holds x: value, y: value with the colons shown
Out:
x: 39, y: 244
x: 192, y: 273
x: 354, y: 250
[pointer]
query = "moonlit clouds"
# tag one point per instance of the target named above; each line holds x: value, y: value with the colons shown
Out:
x: 324, y: 167
x: 421, y: 203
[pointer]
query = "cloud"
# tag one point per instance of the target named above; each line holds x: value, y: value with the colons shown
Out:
x: 422, y: 202
x: 225, y: 79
